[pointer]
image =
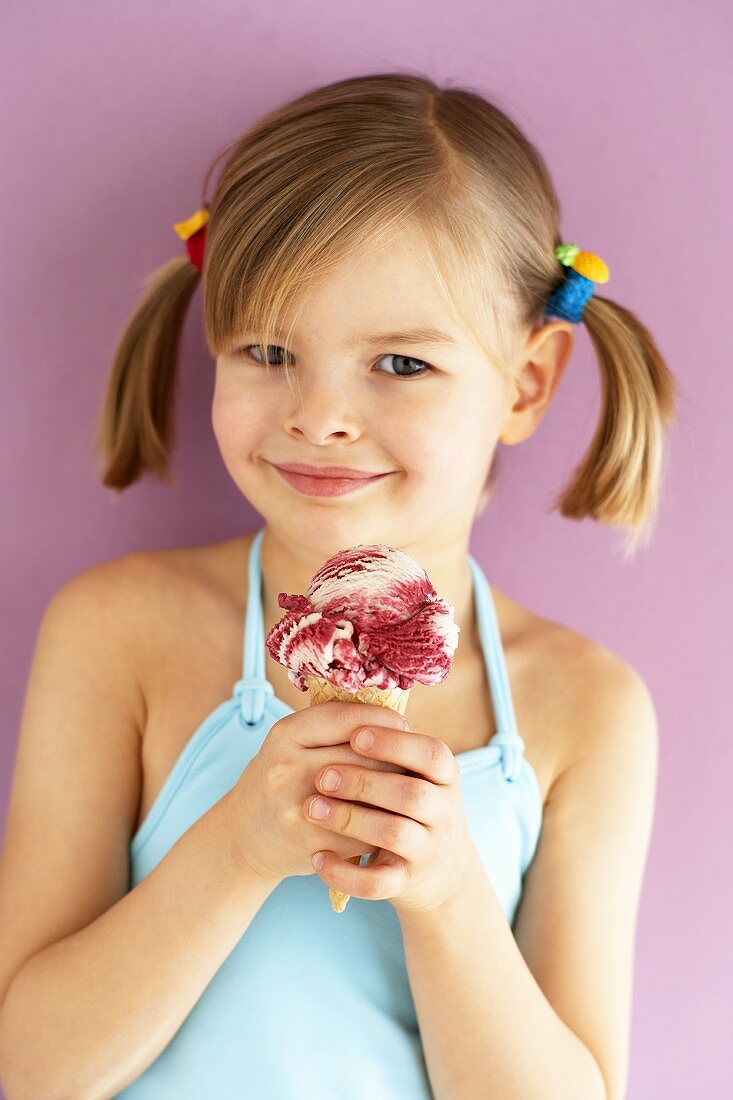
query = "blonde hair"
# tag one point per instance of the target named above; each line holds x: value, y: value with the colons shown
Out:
x: 321, y: 176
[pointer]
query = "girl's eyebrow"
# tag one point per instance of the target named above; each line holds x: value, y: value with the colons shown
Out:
x: 415, y: 336
x: 404, y: 336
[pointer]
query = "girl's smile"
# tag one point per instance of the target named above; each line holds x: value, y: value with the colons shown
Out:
x: 326, y: 486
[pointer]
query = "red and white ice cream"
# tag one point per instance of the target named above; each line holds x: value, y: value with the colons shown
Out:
x: 370, y: 618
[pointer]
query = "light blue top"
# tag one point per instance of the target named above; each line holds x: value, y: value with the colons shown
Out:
x: 313, y: 1003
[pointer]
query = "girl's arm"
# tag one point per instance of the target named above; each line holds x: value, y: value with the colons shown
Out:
x: 94, y: 980
x: 87, y: 1015
x: 543, y: 1010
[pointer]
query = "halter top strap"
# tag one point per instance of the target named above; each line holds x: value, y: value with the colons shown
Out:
x: 254, y: 687
x: 507, y: 735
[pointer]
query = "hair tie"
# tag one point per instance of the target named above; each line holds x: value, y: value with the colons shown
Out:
x: 193, y: 232
x: 585, y: 269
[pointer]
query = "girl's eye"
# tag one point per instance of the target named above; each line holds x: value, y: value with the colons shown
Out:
x: 401, y: 359
x: 246, y: 351
x: 407, y: 359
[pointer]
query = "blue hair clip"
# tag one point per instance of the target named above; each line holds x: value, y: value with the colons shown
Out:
x: 584, y: 270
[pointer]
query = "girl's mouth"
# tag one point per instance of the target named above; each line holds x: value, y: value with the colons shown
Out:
x: 326, y: 486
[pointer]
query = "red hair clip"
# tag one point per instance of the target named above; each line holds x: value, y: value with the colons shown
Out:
x: 193, y: 232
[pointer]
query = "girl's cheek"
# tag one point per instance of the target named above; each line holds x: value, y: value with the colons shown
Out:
x: 237, y: 419
x: 227, y: 426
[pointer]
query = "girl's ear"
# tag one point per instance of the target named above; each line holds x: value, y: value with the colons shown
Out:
x: 544, y: 359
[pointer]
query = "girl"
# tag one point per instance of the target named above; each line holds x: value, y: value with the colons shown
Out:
x: 381, y: 259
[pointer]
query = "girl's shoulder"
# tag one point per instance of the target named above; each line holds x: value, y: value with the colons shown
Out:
x: 177, y: 616
x: 171, y: 578
x: 559, y: 677
x: 171, y: 604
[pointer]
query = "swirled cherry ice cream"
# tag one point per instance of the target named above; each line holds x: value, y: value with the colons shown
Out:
x: 369, y: 618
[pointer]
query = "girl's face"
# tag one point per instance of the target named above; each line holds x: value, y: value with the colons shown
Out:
x: 426, y: 412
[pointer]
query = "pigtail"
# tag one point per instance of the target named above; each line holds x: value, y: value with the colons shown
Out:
x: 619, y: 478
x: 135, y: 431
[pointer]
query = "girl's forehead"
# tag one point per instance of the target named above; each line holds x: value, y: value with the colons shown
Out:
x: 376, y: 297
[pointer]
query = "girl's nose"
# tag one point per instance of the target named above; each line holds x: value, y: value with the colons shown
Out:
x: 320, y: 411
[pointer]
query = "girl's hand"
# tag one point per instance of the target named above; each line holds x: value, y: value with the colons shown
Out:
x: 267, y: 826
x: 426, y: 853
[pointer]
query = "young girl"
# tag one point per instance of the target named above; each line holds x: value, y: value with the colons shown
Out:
x: 385, y: 290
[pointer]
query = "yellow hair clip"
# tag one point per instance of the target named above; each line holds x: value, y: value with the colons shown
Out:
x: 193, y: 224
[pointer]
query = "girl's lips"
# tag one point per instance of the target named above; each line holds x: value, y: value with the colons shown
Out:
x: 326, y: 486
x: 327, y: 471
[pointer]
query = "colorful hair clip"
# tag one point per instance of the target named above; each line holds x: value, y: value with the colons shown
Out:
x: 585, y: 269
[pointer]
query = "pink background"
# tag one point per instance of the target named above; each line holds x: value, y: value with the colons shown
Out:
x: 112, y: 114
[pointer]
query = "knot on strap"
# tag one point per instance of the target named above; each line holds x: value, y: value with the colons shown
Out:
x: 251, y: 693
x: 512, y: 747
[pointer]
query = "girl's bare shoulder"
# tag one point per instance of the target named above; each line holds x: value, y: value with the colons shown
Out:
x: 170, y: 573
x: 166, y: 598
x: 559, y: 676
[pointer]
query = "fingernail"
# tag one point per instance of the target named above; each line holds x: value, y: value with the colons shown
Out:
x: 331, y: 780
x: 319, y: 809
x: 365, y: 739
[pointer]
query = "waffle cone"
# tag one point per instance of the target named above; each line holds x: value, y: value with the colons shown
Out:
x: 321, y: 691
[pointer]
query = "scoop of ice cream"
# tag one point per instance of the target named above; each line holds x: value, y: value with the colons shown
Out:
x: 370, y: 618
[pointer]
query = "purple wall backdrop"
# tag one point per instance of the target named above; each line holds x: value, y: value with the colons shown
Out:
x: 112, y: 113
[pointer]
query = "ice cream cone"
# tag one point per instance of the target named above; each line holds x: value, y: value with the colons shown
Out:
x: 321, y: 691
x: 370, y: 613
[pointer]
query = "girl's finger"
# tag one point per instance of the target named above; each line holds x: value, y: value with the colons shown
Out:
x: 417, y: 752
x: 407, y: 795
x: 373, y: 883
x: 400, y: 835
